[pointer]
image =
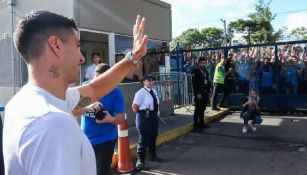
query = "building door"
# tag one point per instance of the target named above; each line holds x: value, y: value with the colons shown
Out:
x: 93, y: 42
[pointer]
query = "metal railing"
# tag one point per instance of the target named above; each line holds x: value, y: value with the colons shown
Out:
x: 1, y: 113
x: 180, y: 87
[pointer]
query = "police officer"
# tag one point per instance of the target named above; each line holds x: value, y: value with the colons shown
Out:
x: 201, y: 88
x: 145, y: 105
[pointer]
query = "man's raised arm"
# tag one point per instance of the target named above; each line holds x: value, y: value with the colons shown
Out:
x: 107, y: 81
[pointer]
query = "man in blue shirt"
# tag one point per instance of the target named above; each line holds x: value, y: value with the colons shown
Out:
x: 103, y: 135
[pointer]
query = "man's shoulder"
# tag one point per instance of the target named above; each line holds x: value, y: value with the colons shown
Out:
x: 26, y: 101
x: 140, y: 91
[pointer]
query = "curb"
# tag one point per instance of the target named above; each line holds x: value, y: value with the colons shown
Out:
x: 170, y: 135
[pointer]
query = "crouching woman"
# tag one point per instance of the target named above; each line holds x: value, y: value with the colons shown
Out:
x: 251, y: 111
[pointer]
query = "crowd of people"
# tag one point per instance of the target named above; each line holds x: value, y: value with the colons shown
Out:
x: 258, y: 68
x: 251, y: 71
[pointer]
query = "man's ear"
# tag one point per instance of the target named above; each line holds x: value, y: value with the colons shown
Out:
x: 55, y: 45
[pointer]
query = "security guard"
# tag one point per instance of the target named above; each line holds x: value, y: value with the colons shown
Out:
x: 146, y: 107
x: 201, y: 88
x: 218, y: 83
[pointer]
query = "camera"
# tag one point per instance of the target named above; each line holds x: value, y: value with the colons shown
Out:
x: 100, y: 115
x: 96, y: 114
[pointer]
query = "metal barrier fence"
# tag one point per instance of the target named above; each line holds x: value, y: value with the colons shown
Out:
x: 1, y: 113
x: 176, y: 85
x: 247, y: 60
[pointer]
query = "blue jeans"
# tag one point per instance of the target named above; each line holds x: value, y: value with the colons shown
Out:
x: 252, y: 115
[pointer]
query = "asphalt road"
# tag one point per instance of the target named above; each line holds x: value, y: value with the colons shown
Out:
x: 278, y: 147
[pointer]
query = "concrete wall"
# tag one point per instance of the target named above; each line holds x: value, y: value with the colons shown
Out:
x: 5, y: 19
x: 25, y: 6
x: 129, y: 89
x: 118, y: 16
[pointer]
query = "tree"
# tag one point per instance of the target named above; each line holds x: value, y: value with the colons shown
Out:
x: 258, y: 28
x: 190, y: 38
x: 212, y: 37
x: 299, y: 32
x: 193, y: 38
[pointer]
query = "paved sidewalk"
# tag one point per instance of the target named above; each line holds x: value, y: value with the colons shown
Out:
x: 175, y: 125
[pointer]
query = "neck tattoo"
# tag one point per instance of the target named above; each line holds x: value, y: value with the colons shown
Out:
x: 55, y: 71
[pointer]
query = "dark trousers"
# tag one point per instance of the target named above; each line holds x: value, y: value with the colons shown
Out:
x: 252, y: 115
x: 243, y: 86
x: 303, y: 87
x: 104, y: 153
x: 217, y: 88
x: 200, y: 107
x: 1, y: 154
x: 230, y: 85
x: 147, y: 127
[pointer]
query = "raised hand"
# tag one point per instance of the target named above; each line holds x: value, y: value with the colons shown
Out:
x: 139, y: 39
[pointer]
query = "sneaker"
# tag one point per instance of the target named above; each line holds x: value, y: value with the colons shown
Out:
x: 254, y: 128
x: 244, y: 129
x: 140, y: 165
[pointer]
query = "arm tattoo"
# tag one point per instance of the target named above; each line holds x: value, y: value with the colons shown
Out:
x: 55, y: 71
x: 83, y: 102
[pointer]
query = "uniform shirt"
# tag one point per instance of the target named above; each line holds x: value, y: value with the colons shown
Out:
x: 90, y: 71
x: 144, y: 99
x: 99, y: 133
x: 41, y: 137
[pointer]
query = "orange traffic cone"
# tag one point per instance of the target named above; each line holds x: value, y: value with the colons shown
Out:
x: 124, y: 154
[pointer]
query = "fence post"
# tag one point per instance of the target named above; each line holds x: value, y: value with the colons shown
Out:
x: 1, y: 153
x: 178, y: 84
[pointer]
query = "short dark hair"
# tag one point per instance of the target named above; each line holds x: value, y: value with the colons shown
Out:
x: 101, y: 68
x: 95, y: 53
x: 201, y: 58
x: 36, y: 27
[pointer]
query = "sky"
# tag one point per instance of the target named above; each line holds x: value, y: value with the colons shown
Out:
x: 208, y: 13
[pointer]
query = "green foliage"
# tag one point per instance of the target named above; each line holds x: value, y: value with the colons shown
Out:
x: 258, y: 28
x: 212, y: 37
x: 189, y: 38
x: 193, y: 38
x: 300, y: 32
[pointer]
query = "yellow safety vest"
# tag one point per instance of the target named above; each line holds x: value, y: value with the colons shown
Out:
x: 219, y: 74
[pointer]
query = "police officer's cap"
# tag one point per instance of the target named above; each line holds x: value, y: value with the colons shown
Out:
x: 148, y: 77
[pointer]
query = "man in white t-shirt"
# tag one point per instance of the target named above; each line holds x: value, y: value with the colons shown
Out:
x: 90, y: 70
x: 40, y: 135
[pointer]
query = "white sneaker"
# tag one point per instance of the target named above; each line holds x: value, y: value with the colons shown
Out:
x: 254, y: 128
x: 244, y: 129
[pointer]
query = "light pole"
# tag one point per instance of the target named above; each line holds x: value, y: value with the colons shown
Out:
x: 224, y: 23
x: 12, y: 3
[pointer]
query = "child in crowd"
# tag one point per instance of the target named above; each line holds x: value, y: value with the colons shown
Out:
x: 251, y: 111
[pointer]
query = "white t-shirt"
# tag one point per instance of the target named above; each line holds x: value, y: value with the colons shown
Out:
x: 144, y: 99
x: 90, y: 71
x: 41, y: 137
